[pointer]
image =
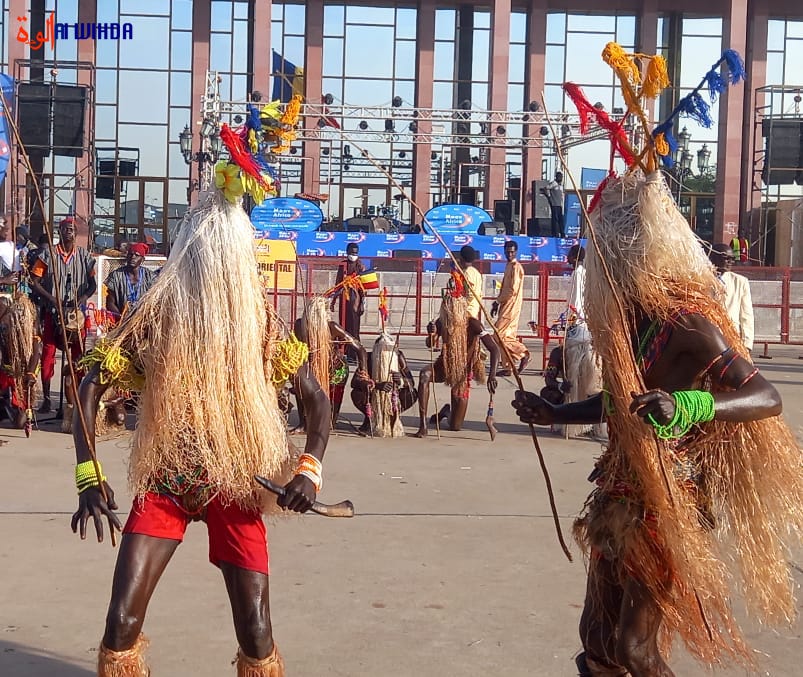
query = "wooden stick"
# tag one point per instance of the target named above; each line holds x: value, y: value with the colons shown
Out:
x: 60, y: 310
x: 509, y: 357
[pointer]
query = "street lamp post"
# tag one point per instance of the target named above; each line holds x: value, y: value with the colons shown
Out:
x: 211, y: 145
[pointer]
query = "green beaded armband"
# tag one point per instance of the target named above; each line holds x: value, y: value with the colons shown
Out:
x: 691, y: 407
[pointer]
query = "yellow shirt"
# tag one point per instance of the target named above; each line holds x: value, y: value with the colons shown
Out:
x: 474, y: 281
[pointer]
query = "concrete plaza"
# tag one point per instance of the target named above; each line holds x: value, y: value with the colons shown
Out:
x: 451, y: 567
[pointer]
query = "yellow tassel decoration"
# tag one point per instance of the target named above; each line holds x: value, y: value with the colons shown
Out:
x: 656, y: 79
x: 272, y: 666
x: 116, y: 366
x: 288, y: 356
x: 661, y: 145
x: 129, y: 663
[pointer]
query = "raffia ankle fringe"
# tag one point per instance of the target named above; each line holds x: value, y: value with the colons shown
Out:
x: 598, y: 669
x: 128, y: 663
x: 272, y: 666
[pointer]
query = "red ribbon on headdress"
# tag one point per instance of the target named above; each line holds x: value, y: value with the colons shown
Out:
x: 139, y: 248
x: 240, y: 154
x: 585, y: 110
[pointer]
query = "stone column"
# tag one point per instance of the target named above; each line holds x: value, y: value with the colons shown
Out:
x: 496, y: 176
x: 201, y: 28
x: 731, y: 127
x: 424, y: 75
x: 535, y: 74
x: 313, y: 88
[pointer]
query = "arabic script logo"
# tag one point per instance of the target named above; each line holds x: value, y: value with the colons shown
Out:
x: 78, y: 31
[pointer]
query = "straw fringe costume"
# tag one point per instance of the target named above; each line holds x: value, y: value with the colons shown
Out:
x: 707, y: 512
x: 19, y: 342
x: 386, y: 407
x: 174, y: 332
x: 701, y: 518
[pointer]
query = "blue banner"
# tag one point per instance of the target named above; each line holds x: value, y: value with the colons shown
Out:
x: 456, y: 218
x: 591, y: 178
x: 384, y: 245
x: 7, y: 85
x: 290, y: 213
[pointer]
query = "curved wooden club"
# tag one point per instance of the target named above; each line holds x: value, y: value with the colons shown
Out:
x: 342, y: 509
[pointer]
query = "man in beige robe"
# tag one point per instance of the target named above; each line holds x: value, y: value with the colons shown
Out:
x: 508, y: 306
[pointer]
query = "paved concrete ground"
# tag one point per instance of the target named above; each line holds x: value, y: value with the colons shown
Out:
x: 450, y: 569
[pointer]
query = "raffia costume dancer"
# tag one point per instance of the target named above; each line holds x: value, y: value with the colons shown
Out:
x: 20, y: 351
x: 208, y: 422
x: 324, y: 338
x: 460, y: 361
x: 384, y: 389
x: 700, y: 491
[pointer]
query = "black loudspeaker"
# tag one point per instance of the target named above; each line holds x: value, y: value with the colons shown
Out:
x: 539, y: 227
x: 104, y: 181
x: 360, y: 224
x: 784, y: 150
x: 540, y: 204
x: 503, y: 210
x: 69, y: 103
x: 33, y: 117
x: 492, y: 228
x: 467, y: 196
x: 514, y: 194
x: 408, y: 254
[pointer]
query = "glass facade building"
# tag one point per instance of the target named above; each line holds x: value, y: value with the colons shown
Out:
x: 425, y: 55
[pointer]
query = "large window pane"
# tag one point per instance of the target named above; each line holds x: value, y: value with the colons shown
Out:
x: 152, y: 143
x: 444, y: 60
x: 105, y: 123
x: 518, y: 27
x: 444, y: 24
x: 180, y: 89
x: 405, y: 22
x: 181, y: 51
x: 554, y: 63
x: 143, y: 96
x: 149, y: 48
x: 333, y: 20
x: 220, y: 52
x: 481, y: 52
x: 370, y: 15
x: 518, y: 57
x: 405, y: 59
x: 181, y: 14
x: 592, y: 23
x: 333, y: 56
x: 373, y: 41
x: 221, y: 15
x: 556, y: 27
x: 106, y: 86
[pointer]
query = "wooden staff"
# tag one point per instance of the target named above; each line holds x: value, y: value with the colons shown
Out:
x: 475, y: 294
x: 90, y: 443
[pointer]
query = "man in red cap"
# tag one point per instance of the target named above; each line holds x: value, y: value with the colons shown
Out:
x: 66, y: 279
x: 126, y: 285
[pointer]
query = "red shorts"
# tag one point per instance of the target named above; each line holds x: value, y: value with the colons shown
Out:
x: 236, y: 536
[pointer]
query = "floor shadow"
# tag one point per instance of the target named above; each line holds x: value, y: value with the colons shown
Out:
x: 22, y: 661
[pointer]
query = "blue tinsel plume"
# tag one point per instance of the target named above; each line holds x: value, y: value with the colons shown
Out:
x: 736, y: 71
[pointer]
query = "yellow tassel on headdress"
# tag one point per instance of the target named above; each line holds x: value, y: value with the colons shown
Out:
x: 656, y: 79
x: 661, y: 145
x: 622, y: 62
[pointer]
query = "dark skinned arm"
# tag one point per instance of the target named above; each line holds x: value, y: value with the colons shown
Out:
x: 531, y: 408
x: 300, y: 492
x: 700, y: 342
x: 433, y: 331
x: 340, y: 335
x: 33, y: 362
x: 111, y: 304
x: 90, y: 290
x: 36, y: 285
x: 90, y: 501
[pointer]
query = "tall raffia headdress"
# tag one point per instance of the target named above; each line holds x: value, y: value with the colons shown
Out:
x: 645, y: 258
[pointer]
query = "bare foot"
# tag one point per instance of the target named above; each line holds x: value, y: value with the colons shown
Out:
x: 422, y: 432
x: 298, y: 430
x: 524, y: 362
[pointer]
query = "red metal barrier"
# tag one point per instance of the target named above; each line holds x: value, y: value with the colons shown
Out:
x: 413, y: 297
